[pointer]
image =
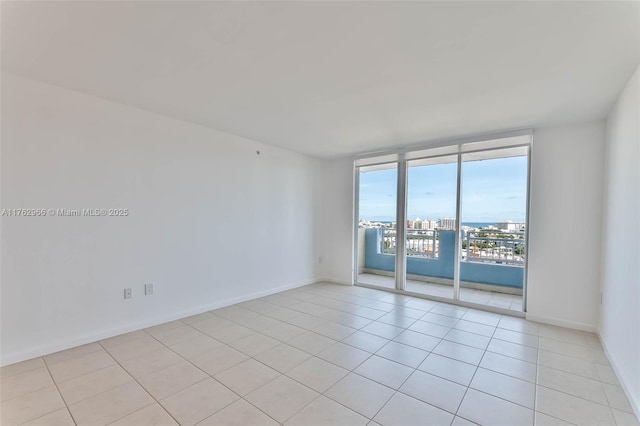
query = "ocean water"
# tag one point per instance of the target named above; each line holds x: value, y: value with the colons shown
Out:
x: 479, y: 224
x: 470, y: 224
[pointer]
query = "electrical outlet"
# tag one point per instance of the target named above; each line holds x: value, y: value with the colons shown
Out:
x: 127, y: 293
x: 148, y: 289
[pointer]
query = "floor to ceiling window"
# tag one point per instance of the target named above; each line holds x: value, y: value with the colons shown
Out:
x: 493, y: 217
x: 431, y: 225
x: 447, y: 223
x: 376, y: 234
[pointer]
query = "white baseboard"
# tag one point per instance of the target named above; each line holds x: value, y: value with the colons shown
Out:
x: 561, y: 323
x: 635, y: 403
x: 42, y: 350
x: 334, y: 281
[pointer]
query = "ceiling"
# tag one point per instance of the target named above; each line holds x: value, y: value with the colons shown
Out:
x: 335, y: 78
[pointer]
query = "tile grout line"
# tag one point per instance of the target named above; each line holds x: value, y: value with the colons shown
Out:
x: 55, y: 382
x: 396, y: 391
x: 209, y: 376
x: 323, y: 393
x: 414, y: 369
x: 285, y: 373
x: 295, y: 380
x: 59, y: 393
x: 139, y: 384
x: 471, y: 381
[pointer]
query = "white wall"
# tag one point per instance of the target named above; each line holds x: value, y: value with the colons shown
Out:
x: 620, y: 315
x: 336, y: 237
x: 564, y: 225
x: 211, y: 222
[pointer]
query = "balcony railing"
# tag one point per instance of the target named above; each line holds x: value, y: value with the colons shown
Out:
x: 488, y: 256
x: 477, y: 246
x: 481, y: 246
x: 420, y: 243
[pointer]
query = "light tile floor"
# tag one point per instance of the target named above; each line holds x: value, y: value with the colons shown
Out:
x: 512, y: 302
x: 324, y: 355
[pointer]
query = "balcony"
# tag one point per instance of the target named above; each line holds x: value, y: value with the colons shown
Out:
x: 491, y: 268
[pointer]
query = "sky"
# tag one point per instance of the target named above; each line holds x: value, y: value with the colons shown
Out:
x: 492, y: 190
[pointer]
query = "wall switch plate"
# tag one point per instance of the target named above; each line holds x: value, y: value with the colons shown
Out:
x: 127, y: 293
x: 148, y: 289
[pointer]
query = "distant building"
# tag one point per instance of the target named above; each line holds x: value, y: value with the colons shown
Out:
x: 426, y: 224
x: 447, y: 223
x: 510, y: 226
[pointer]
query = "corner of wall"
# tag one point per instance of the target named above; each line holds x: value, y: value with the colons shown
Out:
x: 619, y: 313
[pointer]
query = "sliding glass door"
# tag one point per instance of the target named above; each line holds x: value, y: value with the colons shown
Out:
x: 376, y: 234
x: 447, y: 223
x: 431, y: 225
x: 493, y: 216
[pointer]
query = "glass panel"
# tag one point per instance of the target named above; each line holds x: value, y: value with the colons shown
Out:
x: 377, y: 225
x: 493, y: 212
x: 431, y: 212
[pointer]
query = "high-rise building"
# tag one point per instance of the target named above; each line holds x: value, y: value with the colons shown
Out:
x: 429, y: 224
x: 447, y: 223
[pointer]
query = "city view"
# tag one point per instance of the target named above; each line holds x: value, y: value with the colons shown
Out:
x: 498, y: 242
x: 492, y: 227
